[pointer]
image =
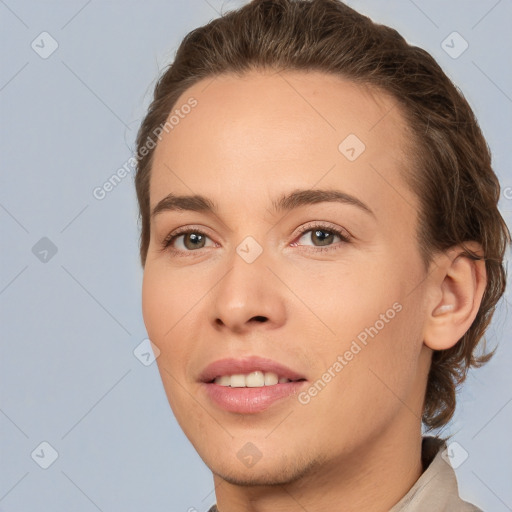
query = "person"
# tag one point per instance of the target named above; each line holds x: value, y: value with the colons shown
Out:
x: 322, y: 254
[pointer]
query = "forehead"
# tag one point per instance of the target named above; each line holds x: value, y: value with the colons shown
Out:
x: 290, y: 129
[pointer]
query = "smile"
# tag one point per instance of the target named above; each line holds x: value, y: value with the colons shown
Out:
x: 249, y: 385
x: 256, y: 379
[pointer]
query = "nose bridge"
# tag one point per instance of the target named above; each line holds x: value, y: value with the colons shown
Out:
x: 249, y: 290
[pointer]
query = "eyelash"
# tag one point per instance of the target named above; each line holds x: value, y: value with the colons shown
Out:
x: 343, y: 235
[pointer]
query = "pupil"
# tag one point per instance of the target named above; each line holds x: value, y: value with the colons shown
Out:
x: 193, y: 237
x: 318, y: 233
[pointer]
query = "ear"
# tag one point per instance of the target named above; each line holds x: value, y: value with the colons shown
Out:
x: 456, y: 290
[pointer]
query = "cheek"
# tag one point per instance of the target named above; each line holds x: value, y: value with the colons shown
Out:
x: 162, y: 308
x: 170, y: 303
x: 165, y: 301
x: 350, y: 298
x: 385, y: 359
x: 373, y: 379
x: 375, y: 323
x: 155, y: 303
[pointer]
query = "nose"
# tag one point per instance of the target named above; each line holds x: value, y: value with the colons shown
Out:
x: 248, y: 297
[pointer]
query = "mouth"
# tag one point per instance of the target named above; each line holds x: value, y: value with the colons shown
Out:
x: 249, y: 385
x: 255, y: 379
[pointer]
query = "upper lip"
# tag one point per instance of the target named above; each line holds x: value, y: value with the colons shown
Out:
x: 246, y: 365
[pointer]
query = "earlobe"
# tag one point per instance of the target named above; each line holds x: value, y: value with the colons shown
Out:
x: 460, y: 283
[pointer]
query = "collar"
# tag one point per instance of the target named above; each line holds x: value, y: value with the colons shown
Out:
x: 436, y: 488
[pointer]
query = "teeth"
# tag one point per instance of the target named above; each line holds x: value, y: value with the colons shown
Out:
x: 225, y: 380
x: 271, y: 379
x: 237, y: 381
x: 255, y: 379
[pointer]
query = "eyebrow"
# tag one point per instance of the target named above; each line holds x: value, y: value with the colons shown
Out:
x: 286, y: 202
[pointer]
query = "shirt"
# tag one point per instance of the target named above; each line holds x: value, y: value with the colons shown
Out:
x: 435, y: 490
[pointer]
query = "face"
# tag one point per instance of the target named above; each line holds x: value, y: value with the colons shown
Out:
x: 299, y: 268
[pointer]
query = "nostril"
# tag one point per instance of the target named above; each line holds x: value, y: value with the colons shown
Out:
x: 260, y: 318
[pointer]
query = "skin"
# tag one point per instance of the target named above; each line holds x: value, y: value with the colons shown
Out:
x: 357, y: 444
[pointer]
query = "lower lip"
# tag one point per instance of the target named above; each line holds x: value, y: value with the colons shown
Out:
x: 250, y: 400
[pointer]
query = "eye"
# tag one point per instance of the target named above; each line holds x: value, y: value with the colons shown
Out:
x: 185, y: 241
x: 322, y: 236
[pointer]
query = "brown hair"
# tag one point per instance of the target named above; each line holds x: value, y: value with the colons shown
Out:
x: 452, y: 173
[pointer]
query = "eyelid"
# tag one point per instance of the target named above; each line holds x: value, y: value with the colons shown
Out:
x: 325, y: 225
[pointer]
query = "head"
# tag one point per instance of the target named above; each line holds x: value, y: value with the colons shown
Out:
x: 387, y: 162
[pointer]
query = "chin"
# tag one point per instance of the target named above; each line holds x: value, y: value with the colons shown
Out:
x: 266, y: 473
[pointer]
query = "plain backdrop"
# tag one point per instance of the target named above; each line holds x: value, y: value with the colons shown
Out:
x: 75, y: 80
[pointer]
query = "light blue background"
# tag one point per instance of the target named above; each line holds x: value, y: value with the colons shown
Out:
x: 70, y: 325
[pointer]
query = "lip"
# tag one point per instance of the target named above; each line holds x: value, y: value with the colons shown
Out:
x: 248, y: 400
